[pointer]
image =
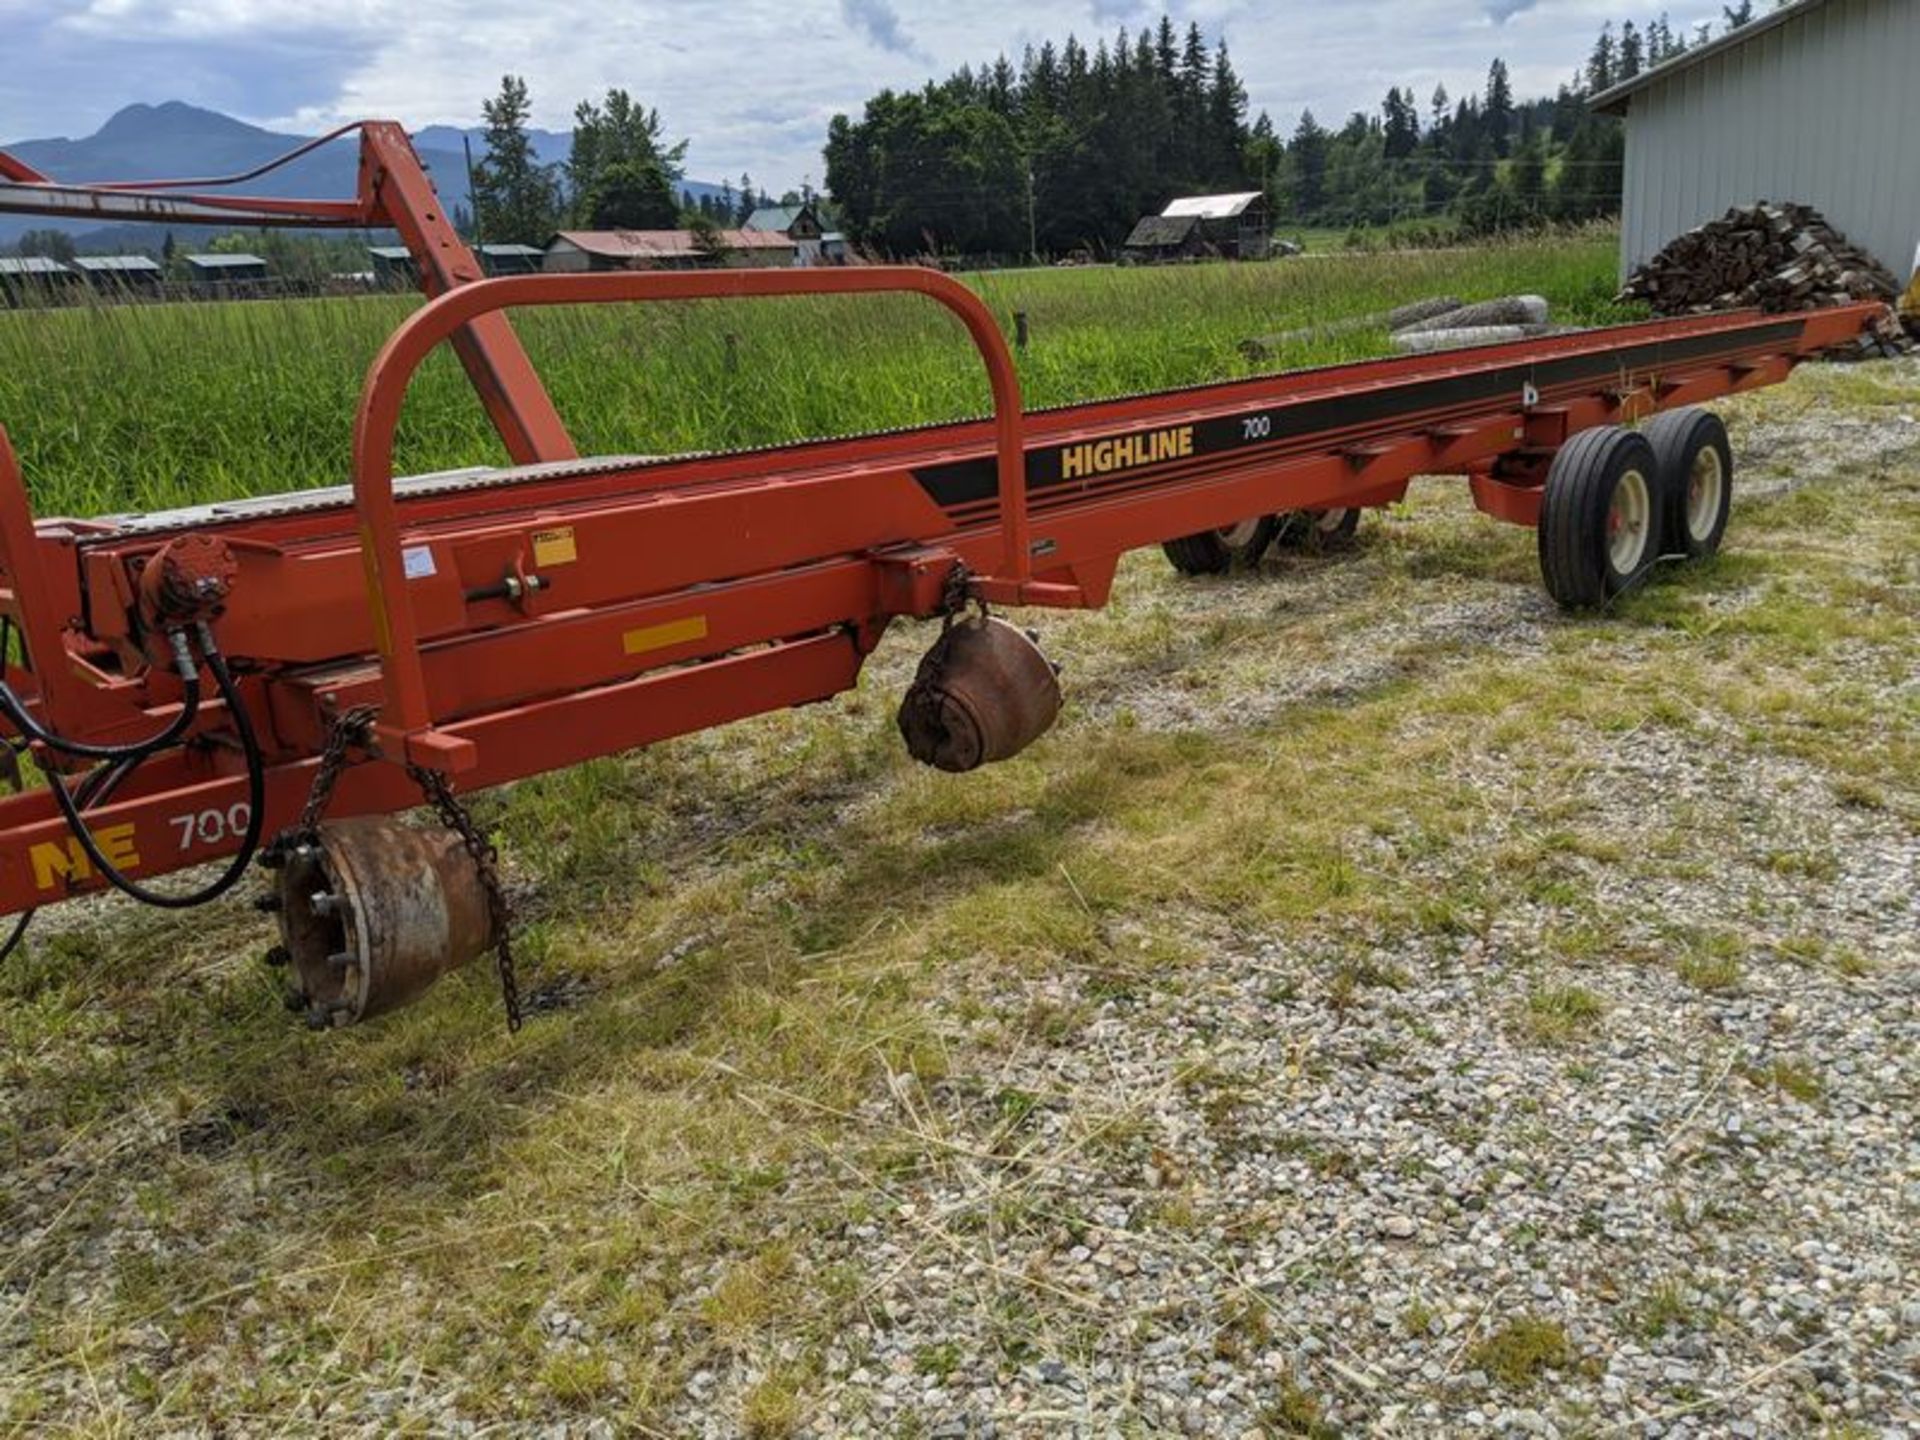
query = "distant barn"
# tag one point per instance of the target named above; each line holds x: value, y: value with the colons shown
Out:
x: 512, y: 259
x: 226, y: 274
x: 124, y: 274
x: 35, y: 280
x: 799, y: 223
x: 393, y: 267
x: 1235, y: 227
x: 1159, y: 238
x: 573, y: 251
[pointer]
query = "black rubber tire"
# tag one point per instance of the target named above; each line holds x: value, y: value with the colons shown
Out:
x: 1312, y: 530
x: 1214, y: 552
x: 1679, y: 438
x: 1576, y: 553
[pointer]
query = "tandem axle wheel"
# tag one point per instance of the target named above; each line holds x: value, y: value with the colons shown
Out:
x: 1619, y: 500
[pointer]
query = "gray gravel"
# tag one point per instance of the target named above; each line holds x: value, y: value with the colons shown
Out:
x: 1316, y: 1185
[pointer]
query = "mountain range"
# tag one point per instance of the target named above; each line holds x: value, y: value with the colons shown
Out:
x: 154, y: 142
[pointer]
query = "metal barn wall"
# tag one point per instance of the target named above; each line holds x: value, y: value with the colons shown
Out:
x: 1824, y: 110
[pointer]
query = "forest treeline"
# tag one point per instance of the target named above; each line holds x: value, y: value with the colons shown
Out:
x: 1068, y: 148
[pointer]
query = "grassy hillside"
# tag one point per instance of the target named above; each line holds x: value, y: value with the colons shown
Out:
x: 130, y: 407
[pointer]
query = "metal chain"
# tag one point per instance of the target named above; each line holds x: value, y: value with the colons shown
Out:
x: 954, y: 599
x: 355, y: 727
x: 486, y: 862
x: 954, y: 594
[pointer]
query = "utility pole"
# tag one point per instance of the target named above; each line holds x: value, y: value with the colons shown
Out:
x: 1033, y: 243
x: 473, y: 188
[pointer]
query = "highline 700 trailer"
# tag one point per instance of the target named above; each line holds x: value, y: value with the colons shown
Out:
x: 270, y: 680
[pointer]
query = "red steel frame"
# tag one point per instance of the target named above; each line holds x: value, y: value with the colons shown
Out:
x: 683, y: 593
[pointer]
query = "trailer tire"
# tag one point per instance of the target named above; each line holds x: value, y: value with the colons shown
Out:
x: 1600, y: 517
x: 1696, y: 474
x: 1314, y: 530
x: 1215, y: 552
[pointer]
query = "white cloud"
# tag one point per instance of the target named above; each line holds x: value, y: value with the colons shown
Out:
x: 752, y: 82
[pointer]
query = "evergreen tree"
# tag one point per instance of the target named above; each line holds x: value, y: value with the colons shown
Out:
x: 1738, y: 15
x: 1099, y: 136
x: 1166, y: 51
x: 515, y: 198
x: 1530, y: 180
x: 1498, y: 115
x: 1601, y: 62
x: 1632, y: 54
x: 1225, y: 124
x: 1660, y: 46
x: 1402, y: 124
x: 1308, y: 154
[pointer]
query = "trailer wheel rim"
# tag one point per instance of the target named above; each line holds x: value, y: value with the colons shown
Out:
x: 1238, y: 537
x: 1706, y: 485
x: 1328, y: 522
x: 1627, y: 518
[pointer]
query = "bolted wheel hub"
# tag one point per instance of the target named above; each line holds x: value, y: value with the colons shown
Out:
x: 374, y: 913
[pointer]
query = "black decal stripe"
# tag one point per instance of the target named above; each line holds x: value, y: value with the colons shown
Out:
x: 974, y: 482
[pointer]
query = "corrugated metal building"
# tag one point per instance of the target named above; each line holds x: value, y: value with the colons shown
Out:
x: 35, y: 279
x: 121, y: 272
x: 1814, y: 103
x: 227, y: 274
x: 511, y: 259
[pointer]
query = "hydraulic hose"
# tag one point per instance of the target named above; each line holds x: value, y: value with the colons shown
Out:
x: 16, y: 713
x: 96, y: 789
x: 256, y: 798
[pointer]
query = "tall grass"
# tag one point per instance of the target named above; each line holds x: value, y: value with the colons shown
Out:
x: 136, y: 407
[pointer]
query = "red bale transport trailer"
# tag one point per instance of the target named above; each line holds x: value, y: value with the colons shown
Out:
x: 300, y: 667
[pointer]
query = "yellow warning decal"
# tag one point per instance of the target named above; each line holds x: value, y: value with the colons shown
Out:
x: 554, y: 547
x: 659, y: 637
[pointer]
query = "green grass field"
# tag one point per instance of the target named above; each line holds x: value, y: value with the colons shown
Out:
x: 139, y: 408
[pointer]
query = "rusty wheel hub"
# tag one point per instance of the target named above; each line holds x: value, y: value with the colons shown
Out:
x: 374, y: 913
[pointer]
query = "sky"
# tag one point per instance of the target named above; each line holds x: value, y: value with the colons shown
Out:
x: 753, y: 83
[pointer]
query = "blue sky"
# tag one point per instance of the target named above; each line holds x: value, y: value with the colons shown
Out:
x: 753, y: 82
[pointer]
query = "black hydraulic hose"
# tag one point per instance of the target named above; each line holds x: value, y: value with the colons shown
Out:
x: 15, y: 711
x: 256, y: 803
x: 96, y: 789
x: 12, y: 942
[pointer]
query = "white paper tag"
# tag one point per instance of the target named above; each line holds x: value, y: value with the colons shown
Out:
x: 417, y: 560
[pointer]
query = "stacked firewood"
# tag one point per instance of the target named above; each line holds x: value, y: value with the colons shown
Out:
x: 1771, y: 257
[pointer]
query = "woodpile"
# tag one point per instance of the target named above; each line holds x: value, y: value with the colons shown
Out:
x: 1771, y: 257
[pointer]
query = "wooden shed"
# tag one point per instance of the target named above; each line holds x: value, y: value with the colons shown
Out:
x: 1160, y: 238
x: 1236, y: 226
